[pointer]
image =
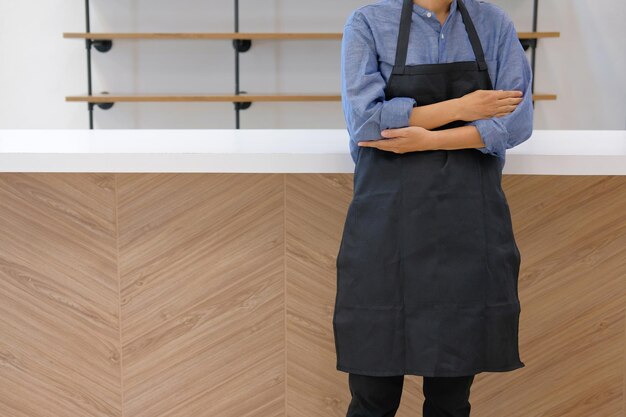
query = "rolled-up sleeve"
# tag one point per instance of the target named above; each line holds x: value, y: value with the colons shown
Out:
x: 366, y: 111
x: 513, y: 73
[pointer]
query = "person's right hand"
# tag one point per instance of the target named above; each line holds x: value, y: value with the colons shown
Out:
x: 484, y: 104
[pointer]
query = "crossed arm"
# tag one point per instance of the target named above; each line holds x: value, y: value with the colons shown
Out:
x: 434, y: 115
x: 438, y: 114
x: 498, y: 119
x: 419, y: 136
x: 474, y: 106
x: 369, y: 116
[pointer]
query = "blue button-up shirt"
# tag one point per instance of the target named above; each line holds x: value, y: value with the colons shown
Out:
x: 368, y: 53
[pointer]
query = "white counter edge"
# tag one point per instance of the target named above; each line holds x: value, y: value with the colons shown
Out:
x: 547, y: 152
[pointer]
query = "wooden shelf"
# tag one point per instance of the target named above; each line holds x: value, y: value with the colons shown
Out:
x: 207, y: 35
x: 538, y: 35
x: 544, y: 96
x: 119, y: 98
x: 246, y: 35
x: 242, y: 42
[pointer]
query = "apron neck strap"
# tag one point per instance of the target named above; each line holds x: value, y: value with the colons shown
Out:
x: 473, y: 36
x: 405, y: 30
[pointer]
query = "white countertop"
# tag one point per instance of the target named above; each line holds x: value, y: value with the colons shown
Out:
x: 547, y: 152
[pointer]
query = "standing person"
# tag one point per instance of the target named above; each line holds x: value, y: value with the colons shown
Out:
x: 428, y: 265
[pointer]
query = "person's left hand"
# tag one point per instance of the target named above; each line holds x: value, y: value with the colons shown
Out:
x: 401, y: 140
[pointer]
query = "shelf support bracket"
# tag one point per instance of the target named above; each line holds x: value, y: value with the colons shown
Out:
x: 528, y: 43
x: 240, y: 45
x: 533, y: 46
x: 104, y: 106
x: 102, y: 45
x: 242, y: 105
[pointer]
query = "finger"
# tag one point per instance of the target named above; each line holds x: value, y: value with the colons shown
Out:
x: 503, y: 94
x: 387, y: 145
x: 394, y: 133
x: 514, y: 100
x: 512, y: 93
x: 393, y: 142
x: 505, y: 108
x: 371, y: 143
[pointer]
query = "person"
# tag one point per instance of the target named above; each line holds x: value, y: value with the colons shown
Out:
x: 434, y: 92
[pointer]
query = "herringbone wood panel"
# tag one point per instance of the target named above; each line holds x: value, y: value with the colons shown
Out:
x: 212, y: 295
x: 202, y: 278
x: 59, y: 304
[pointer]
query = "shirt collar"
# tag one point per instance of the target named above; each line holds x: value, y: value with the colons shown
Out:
x: 422, y: 11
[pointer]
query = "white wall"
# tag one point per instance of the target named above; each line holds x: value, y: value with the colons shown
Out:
x: 38, y: 68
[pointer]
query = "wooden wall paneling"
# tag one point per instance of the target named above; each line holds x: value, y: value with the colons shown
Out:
x: 571, y: 231
x: 59, y: 321
x: 226, y: 291
x: 315, y: 212
x: 201, y: 266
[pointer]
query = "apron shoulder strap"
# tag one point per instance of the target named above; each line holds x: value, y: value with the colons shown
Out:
x: 403, y: 37
x: 473, y: 36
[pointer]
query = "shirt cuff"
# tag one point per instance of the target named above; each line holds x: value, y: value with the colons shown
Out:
x: 396, y: 112
x: 495, y: 139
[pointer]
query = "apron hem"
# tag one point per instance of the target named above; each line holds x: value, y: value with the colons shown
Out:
x: 416, y: 372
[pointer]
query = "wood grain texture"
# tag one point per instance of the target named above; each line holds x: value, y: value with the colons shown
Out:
x: 572, y: 236
x: 212, y: 295
x: 315, y: 212
x: 201, y: 270
x: 59, y: 309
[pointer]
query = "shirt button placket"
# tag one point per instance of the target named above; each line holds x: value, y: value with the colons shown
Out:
x: 441, y: 41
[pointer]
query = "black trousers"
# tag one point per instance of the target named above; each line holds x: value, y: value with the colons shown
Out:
x: 379, y: 396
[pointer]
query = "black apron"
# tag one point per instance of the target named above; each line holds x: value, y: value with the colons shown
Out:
x: 428, y: 266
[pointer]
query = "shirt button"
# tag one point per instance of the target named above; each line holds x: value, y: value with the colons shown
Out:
x: 442, y: 36
x: 429, y: 14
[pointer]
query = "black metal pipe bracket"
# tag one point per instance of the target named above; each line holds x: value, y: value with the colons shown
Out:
x: 528, y: 43
x: 242, y: 45
x: 242, y: 105
x: 104, y: 106
x: 102, y: 45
